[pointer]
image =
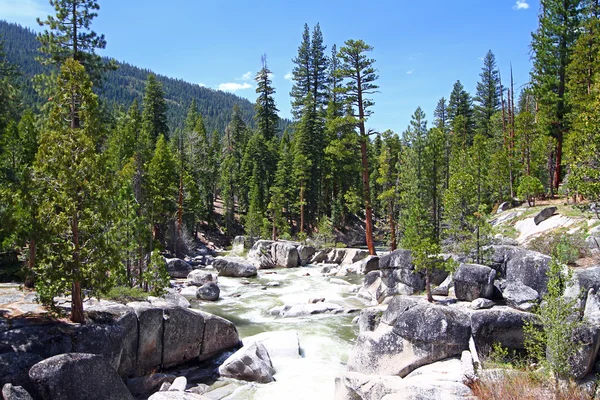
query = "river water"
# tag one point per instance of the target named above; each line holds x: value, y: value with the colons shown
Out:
x: 325, y: 339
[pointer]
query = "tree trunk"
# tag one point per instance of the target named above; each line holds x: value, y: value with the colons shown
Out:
x: 558, y: 160
x: 301, y: 208
x: 29, y: 279
x: 76, y: 300
x: 428, y: 285
x: 367, y: 192
x: 392, y: 226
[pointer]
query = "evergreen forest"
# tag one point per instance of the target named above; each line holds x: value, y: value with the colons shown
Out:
x: 105, y: 166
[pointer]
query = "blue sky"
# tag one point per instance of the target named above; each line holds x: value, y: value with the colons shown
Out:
x: 421, y: 47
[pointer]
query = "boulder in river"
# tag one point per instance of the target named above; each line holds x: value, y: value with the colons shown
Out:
x: 209, y: 292
x: 199, y: 277
x: 75, y: 376
x: 411, y: 333
x: 250, y: 363
x: 234, y: 267
x: 178, y: 268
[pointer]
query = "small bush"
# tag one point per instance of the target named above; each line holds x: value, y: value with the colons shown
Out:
x: 570, y: 246
x: 518, y: 385
x: 126, y: 294
x: 529, y: 188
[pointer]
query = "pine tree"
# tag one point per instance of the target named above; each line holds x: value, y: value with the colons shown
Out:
x: 231, y: 179
x: 318, y: 68
x: 73, y: 208
x: 389, y: 164
x: 282, y: 190
x: 266, y: 117
x: 301, y: 74
x: 582, y: 145
x: 360, y: 76
x: 302, y: 160
x: 552, y: 46
x: 442, y: 123
x: 461, y: 105
x: 70, y: 37
x: 122, y: 140
x: 488, y: 94
x: 154, y: 114
x: 162, y: 189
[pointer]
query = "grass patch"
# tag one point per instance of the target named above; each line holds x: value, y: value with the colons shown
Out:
x: 572, y: 246
x: 126, y: 294
x: 518, y: 385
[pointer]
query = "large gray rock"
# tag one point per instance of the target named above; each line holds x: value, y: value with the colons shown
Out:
x: 250, y: 363
x: 357, y: 386
x: 441, y: 380
x: 480, y: 303
x: 285, y: 255
x: 261, y: 254
x: 172, y: 296
x: 593, y: 239
x: 183, y: 332
x: 520, y: 296
x: 178, y: 268
x: 497, y: 256
x: 150, y: 337
x: 544, y: 215
x: 305, y: 253
x: 529, y: 268
x: 587, y: 338
x: 584, y: 279
x: 199, y: 277
x: 412, y: 334
x: 77, y: 376
x: 591, y: 313
x: 106, y: 340
x: 209, y: 291
x: 472, y: 281
x: 219, y: 335
x: 500, y: 324
x: 10, y: 392
x: 235, y: 267
x: 118, y: 320
x: 369, y: 318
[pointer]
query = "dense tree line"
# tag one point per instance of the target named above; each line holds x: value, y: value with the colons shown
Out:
x: 122, y: 86
x: 91, y: 192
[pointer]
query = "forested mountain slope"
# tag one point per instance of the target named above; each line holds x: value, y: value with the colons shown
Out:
x: 127, y: 83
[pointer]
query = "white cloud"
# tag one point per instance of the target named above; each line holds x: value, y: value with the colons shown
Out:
x: 521, y: 5
x: 17, y: 9
x: 245, y: 77
x: 288, y: 76
x: 409, y: 72
x: 201, y: 84
x: 233, y: 86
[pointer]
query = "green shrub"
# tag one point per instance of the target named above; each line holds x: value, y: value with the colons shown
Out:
x: 126, y: 294
x: 570, y: 247
x: 529, y: 188
x: 548, y: 339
